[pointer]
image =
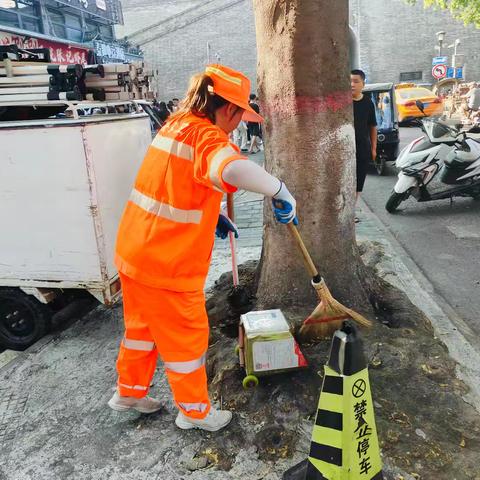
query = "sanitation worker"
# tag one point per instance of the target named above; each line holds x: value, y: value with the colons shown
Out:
x: 165, y: 242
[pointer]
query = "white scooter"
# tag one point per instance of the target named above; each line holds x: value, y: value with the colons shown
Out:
x: 444, y: 163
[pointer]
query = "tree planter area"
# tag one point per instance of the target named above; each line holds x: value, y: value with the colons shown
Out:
x: 425, y: 428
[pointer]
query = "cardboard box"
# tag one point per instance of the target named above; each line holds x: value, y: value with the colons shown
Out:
x: 268, y: 345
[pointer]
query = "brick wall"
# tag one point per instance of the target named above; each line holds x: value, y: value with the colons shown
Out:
x: 394, y: 37
x: 179, y: 54
x: 142, y: 13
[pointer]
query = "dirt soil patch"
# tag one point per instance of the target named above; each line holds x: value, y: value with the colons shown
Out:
x: 425, y: 427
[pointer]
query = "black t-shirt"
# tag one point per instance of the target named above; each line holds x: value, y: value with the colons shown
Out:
x: 363, y: 119
x: 256, y: 108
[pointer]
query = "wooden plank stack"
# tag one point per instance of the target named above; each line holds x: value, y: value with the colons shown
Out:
x: 119, y: 82
x: 26, y: 81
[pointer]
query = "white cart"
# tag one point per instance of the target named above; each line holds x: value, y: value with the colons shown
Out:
x: 64, y: 183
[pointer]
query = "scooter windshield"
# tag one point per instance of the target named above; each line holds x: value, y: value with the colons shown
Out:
x: 438, y: 132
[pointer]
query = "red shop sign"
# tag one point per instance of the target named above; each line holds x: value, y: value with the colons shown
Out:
x: 60, y: 53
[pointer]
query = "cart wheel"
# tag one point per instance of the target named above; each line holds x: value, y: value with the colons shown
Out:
x: 250, y: 381
x: 23, y: 319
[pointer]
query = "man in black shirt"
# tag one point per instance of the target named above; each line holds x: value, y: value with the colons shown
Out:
x: 365, y: 127
x: 254, y: 128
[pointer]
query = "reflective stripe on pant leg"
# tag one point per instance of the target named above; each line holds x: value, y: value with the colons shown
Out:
x: 186, y: 368
x: 188, y: 389
x: 193, y: 407
x: 141, y: 345
x: 179, y: 326
x: 137, y: 358
x: 133, y: 387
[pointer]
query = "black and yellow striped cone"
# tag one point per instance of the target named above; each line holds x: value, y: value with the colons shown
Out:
x: 344, y: 440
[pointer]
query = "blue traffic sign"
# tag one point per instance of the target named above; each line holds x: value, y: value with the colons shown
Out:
x: 459, y: 72
x: 439, y: 60
x: 450, y: 72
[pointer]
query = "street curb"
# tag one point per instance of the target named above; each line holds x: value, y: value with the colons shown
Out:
x: 461, y: 342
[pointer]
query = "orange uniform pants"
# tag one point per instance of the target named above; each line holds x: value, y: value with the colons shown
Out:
x: 174, y: 325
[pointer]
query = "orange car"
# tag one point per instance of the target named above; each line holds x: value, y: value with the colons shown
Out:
x: 406, y: 96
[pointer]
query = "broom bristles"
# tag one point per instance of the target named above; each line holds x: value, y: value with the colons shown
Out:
x: 328, y: 315
x: 319, y: 331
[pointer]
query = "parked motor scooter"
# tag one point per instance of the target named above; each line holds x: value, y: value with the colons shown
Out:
x: 444, y: 163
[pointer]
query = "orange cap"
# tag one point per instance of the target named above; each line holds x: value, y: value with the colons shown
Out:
x: 234, y: 87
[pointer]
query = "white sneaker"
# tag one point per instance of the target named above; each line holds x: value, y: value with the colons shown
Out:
x: 215, y: 420
x: 143, y: 405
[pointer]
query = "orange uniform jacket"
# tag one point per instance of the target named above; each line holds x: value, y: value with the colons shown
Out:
x: 166, y: 234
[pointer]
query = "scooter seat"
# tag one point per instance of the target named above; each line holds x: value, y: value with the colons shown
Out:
x: 456, y: 162
x: 460, y: 158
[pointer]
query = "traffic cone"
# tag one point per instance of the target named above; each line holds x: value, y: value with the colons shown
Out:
x: 344, y: 442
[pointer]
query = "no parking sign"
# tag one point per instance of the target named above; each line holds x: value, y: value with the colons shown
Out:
x: 439, y: 71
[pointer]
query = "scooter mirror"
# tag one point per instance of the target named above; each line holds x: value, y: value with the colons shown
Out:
x: 420, y: 106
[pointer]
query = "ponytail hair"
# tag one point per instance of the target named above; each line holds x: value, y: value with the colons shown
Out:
x: 200, y: 99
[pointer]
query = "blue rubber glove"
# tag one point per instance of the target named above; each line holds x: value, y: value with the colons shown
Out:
x: 225, y: 225
x: 284, y: 206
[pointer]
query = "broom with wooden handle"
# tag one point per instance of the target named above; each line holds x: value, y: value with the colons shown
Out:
x: 330, y: 313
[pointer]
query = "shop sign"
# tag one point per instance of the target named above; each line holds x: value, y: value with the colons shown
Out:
x: 109, y: 52
x: 60, y: 53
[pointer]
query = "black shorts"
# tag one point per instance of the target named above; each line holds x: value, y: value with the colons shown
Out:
x: 364, y: 159
x: 362, y: 168
x: 253, y: 129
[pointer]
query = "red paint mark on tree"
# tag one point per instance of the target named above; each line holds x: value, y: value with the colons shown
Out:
x: 289, y: 106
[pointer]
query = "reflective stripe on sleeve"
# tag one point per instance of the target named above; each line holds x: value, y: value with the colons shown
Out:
x: 164, y: 210
x: 133, y: 387
x: 169, y: 145
x: 138, y: 345
x: 217, y: 160
x: 186, y: 367
x: 188, y: 407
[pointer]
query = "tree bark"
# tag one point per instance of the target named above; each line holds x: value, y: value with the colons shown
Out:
x: 304, y: 88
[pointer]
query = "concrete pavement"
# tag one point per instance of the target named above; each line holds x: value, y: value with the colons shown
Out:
x: 54, y: 422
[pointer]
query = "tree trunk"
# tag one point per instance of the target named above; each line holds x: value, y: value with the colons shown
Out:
x: 304, y: 88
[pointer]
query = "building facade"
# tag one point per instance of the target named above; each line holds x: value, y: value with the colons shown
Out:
x: 394, y: 41
x: 179, y: 37
x: 398, y: 41
x: 69, y: 28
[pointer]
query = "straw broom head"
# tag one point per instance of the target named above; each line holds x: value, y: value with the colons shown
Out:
x: 328, y: 316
